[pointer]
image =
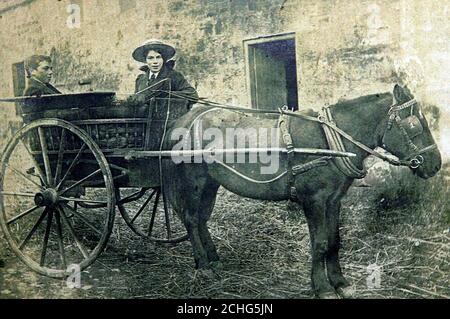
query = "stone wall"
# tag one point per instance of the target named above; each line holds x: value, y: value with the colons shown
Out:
x: 344, y: 48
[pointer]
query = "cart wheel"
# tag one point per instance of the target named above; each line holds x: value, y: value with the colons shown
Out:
x: 150, y: 216
x: 43, y: 179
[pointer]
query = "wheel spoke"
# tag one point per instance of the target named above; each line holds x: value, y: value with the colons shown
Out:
x: 82, y: 200
x: 62, y: 253
x: 44, y: 149
x: 36, y: 165
x: 72, y: 232
x: 80, y: 181
x: 152, y: 220
x: 83, y: 218
x: 71, y: 167
x: 23, y: 175
x: 25, y: 213
x: 46, y: 236
x: 62, y: 143
x: 167, y: 218
x: 143, y: 206
x: 33, y: 230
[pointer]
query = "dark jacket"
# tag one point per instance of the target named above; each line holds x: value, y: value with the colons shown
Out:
x: 37, y: 88
x: 178, y: 85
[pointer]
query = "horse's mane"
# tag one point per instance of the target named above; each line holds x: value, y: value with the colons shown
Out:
x: 366, y: 99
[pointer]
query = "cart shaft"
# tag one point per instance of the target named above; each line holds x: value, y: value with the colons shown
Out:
x: 213, y: 152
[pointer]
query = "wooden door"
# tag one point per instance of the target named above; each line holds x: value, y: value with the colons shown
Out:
x: 268, y: 83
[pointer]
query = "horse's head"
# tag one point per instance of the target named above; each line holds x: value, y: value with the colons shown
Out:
x: 408, y: 136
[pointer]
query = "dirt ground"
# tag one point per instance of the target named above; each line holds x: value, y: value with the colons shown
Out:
x: 264, y: 248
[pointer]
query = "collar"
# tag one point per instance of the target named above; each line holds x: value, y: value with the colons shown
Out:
x: 164, y: 73
x: 150, y: 74
x: 37, y: 80
x: 47, y: 86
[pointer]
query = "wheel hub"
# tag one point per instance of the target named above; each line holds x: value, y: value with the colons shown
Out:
x: 48, y: 197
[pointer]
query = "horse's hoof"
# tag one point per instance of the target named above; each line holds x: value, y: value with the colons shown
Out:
x: 328, y: 295
x: 216, y: 265
x: 205, y: 273
x: 347, y: 292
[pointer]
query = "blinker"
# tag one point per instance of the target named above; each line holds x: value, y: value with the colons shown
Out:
x: 412, y: 126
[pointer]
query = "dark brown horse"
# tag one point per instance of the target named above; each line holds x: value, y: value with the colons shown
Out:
x: 372, y: 120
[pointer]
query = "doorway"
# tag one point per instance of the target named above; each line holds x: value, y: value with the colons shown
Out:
x: 272, y: 71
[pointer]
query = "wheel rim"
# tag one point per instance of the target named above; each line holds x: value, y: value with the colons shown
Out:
x: 43, y: 178
x: 150, y: 216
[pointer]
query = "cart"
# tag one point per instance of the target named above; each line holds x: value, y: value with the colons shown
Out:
x: 67, y: 168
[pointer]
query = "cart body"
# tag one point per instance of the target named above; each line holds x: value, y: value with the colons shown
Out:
x: 117, y: 127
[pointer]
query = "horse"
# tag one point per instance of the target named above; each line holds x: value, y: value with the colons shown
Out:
x: 363, y: 124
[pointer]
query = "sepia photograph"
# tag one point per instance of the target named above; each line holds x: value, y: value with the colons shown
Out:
x: 239, y: 150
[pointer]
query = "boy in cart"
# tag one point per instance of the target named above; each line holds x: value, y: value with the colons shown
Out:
x: 39, y: 72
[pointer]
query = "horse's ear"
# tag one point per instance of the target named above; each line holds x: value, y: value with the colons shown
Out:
x: 407, y: 91
x: 399, y: 93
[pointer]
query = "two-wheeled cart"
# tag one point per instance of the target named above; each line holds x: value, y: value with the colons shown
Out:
x: 68, y: 167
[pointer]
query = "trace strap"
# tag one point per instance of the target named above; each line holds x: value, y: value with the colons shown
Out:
x: 283, y: 124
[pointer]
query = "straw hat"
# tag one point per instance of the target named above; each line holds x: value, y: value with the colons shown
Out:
x: 166, y: 50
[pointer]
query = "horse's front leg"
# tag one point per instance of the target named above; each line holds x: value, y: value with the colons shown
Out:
x: 199, y: 195
x: 334, y: 271
x: 315, y: 212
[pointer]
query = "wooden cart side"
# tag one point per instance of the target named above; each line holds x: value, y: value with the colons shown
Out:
x: 118, y: 129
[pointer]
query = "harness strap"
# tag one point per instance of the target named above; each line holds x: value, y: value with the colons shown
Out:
x: 410, y: 143
x: 345, y: 165
x: 303, y: 168
x: 399, y: 107
x: 291, y: 169
x: 283, y: 124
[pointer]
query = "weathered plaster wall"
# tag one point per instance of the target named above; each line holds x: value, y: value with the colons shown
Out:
x: 344, y: 48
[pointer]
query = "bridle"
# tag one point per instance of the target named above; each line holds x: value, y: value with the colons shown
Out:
x: 409, y: 127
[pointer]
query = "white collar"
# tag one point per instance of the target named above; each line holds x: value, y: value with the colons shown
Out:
x: 150, y: 75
